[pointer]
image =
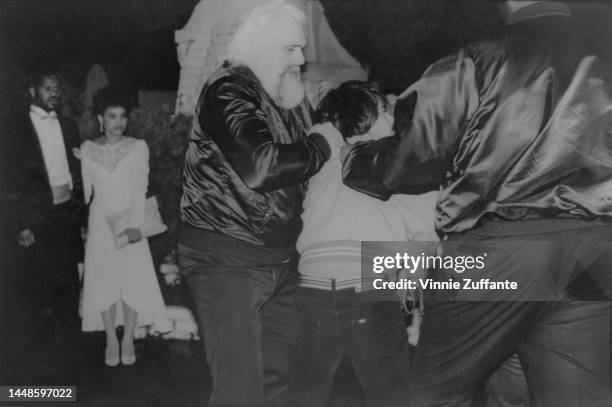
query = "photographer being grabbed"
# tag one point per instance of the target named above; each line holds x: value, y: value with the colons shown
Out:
x: 332, y: 303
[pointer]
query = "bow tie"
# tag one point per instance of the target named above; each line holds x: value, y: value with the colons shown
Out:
x: 45, y: 115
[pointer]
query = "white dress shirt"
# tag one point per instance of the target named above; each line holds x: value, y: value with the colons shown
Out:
x: 53, y: 148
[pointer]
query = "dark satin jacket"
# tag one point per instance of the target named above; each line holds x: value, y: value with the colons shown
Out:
x: 513, y: 128
x: 242, y: 178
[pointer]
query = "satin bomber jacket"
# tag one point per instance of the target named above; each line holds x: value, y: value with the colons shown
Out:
x: 510, y: 128
x: 242, y: 178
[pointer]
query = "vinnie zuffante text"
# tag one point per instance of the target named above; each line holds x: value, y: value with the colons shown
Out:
x: 412, y: 264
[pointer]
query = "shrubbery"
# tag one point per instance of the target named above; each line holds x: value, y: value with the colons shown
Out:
x: 167, y: 136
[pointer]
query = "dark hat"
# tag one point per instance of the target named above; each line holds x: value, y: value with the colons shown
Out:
x: 521, y: 10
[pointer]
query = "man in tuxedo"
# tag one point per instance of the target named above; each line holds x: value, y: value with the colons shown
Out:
x: 46, y: 199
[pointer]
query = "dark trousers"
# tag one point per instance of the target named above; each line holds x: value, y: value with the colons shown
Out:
x: 50, y: 265
x: 245, y: 315
x: 336, y: 323
x: 563, y: 343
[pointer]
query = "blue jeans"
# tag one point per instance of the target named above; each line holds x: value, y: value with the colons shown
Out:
x: 245, y: 315
x: 336, y: 323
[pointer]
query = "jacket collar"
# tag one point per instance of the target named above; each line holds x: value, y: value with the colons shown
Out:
x: 42, y: 113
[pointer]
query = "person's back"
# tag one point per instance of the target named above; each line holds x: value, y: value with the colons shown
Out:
x: 515, y: 118
x: 337, y: 218
x: 517, y: 132
x: 334, y: 310
x: 541, y: 103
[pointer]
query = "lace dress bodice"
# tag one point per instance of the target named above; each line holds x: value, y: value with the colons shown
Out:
x: 116, y: 176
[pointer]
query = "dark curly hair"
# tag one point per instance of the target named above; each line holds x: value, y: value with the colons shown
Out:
x: 110, y: 96
x: 37, y: 78
x: 352, y: 107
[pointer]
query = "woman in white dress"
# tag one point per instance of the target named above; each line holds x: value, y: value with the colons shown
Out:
x: 120, y: 285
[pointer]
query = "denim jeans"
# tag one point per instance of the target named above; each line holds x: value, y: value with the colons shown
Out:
x: 563, y: 345
x: 336, y: 323
x: 245, y: 315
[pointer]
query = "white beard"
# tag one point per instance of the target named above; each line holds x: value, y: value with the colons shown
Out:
x: 287, y: 90
x: 291, y: 90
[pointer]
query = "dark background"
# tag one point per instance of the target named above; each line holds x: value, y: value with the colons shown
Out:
x: 134, y: 39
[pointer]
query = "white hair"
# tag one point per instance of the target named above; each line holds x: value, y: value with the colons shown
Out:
x: 254, y: 25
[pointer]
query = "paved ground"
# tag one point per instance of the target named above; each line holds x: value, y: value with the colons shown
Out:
x: 167, y: 373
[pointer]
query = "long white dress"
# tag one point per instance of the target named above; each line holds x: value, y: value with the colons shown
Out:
x: 117, y: 175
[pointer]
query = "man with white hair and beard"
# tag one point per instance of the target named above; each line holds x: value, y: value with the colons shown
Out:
x: 247, y: 159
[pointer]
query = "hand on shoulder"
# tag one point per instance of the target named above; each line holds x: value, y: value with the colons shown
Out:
x: 330, y: 135
x: 77, y: 153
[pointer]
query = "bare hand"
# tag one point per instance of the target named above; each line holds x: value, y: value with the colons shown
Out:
x: 26, y: 238
x: 133, y: 235
x: 77, y: 153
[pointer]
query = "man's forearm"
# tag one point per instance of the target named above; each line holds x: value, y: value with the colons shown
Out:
x: 383, y: 168
x: 279, y: 166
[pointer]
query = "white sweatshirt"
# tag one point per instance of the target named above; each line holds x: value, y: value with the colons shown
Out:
x: 337, y: 218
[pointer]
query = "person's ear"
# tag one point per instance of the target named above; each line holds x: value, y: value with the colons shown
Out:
x: 32, y: 92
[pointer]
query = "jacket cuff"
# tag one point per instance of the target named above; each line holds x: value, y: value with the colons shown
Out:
x: 322, y: 144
